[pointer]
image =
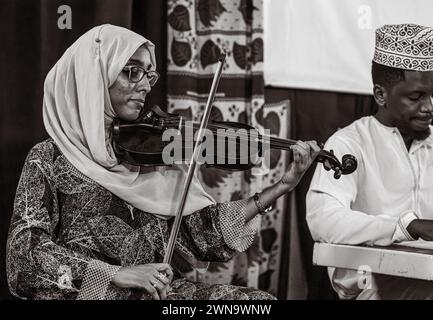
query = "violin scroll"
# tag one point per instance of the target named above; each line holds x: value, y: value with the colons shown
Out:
x: 347, y: 165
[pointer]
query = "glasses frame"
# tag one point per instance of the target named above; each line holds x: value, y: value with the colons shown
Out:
x: 127, y: 70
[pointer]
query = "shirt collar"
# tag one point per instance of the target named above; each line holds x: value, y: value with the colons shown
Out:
x: 415, y: 143
x: 429, y: 140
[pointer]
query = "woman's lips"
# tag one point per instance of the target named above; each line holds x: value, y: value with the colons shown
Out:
x: 138, y: 102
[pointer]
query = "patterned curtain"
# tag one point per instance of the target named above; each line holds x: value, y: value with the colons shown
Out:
x: 198, y: 32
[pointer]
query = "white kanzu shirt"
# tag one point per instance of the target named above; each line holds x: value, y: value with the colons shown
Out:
x: 373, y: 205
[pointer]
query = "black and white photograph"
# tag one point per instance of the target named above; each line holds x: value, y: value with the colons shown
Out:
x: 216, y: 150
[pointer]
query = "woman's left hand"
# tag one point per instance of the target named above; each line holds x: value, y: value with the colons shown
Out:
x: 304, y: 154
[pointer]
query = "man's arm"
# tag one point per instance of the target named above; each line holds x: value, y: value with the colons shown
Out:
x: 329, y: 201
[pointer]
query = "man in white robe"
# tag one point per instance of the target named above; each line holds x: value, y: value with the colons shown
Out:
x: 389, y: 198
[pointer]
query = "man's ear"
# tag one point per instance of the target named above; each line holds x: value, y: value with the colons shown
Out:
x: 380, y: 95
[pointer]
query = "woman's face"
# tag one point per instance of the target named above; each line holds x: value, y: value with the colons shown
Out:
x: 127, y: 97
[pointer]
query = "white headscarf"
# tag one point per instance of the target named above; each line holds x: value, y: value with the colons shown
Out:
x: 77, y: 113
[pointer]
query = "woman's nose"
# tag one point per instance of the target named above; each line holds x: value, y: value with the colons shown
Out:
x: 144, y: 85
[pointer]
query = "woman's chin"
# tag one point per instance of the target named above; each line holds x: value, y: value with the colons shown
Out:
x: 131, y: 115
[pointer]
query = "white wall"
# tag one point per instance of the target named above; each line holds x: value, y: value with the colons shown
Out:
x: 329, y: 44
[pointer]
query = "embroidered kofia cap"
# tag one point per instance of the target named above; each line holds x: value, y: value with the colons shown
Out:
x: 405, y: 46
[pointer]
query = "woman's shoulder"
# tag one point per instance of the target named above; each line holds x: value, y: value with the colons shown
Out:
x: 47, y: 156
x: 45, y: 151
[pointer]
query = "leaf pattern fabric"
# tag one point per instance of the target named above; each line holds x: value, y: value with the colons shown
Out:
x: 64, y: 222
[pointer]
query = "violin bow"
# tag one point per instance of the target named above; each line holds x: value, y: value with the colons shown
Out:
x: 191, y: 169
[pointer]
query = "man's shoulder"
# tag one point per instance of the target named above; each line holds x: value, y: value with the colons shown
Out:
x: 357, y: 131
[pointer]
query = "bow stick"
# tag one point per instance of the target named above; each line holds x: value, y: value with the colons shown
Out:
x: 178, y: 218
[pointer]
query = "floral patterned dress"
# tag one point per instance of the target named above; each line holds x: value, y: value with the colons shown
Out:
x: 68, y: 236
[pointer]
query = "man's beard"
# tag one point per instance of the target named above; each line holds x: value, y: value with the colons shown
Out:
x: 421, y: 135
x: 416, y: 134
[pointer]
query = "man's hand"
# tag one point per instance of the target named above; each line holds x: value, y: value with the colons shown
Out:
x: 421, y: 228
x: 153, y: 278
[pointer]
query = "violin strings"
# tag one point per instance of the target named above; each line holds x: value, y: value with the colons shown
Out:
x: 274, y: 142
x: 277, y: 142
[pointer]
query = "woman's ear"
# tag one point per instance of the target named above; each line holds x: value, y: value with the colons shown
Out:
x: 380, y: 95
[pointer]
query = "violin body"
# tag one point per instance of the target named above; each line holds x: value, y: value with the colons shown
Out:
x: 227, y: 145
x: 140, y: 143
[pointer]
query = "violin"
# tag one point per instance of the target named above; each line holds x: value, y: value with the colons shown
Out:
x: 141, y: 143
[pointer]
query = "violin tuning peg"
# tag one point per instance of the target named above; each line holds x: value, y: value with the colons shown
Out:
x: 337, y: 174
x: 326, y: 165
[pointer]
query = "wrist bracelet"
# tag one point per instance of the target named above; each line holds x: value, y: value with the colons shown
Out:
x: 262, y: 209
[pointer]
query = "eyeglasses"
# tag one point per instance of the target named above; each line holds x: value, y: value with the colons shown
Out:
x: 136, y: 73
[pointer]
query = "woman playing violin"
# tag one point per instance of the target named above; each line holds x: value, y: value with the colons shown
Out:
x: 88, y: 226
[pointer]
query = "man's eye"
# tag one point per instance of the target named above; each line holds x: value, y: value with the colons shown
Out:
x: 415, y: 97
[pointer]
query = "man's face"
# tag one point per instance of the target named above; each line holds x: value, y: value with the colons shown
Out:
x: 409, y: 104
x: 127, y: 98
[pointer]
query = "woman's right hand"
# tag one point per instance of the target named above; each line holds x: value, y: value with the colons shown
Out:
x: 153, y: 278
